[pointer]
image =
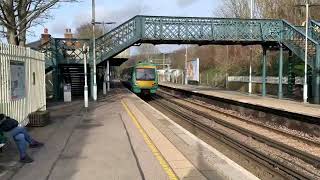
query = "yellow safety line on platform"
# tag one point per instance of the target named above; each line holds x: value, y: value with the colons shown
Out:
x: 166, y: 167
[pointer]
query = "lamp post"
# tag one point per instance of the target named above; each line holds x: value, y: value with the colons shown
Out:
x: 185, y: 66
x: 103, y: 25
x: 94, y: 90
x: 250, y: 66
x: 307, y: 5
x: 85, y: 51
x: 305, y: 83
x: 106, y: 79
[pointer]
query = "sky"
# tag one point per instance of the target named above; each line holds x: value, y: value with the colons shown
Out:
x: 71, y: 15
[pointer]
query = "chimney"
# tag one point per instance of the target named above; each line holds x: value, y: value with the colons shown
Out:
x: 45, y: 37
x: 68, y: 34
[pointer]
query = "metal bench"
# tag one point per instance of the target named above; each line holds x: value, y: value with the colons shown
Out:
x: 3, y: 141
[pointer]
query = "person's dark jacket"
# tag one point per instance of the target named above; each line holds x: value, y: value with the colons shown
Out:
x: 7, y: 124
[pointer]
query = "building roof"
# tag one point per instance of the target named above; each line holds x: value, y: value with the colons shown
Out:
x: 34, y: 45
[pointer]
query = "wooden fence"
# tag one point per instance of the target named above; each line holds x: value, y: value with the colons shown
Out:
x: 22, y: 82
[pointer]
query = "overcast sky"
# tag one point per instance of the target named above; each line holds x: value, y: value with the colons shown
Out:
x: 72, y: 15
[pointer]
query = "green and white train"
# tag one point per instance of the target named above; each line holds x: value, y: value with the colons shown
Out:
x: 141, y: 78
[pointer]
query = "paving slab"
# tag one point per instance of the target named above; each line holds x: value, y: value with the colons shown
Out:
x: 199, y: 157
x: 98, y: 143
x: 104, y: 142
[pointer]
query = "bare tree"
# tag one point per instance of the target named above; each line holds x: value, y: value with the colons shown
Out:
x: 234, y: 9
x: 84, y: 31
x: 146, y: 51
x: 17, y: 16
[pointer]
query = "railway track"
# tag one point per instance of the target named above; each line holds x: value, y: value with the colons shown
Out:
x: 288, y: 170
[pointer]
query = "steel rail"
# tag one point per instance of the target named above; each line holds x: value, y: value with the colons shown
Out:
x: 275, y: 166
x: 296, y: 137
x: 310, y: 158
x: 256, y: 136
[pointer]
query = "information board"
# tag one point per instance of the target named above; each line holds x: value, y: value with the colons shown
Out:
x: 18, y: 78
x: 193, y: 70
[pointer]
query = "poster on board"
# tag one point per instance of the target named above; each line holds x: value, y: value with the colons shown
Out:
x: 193, y: 70
x: 18, y: 77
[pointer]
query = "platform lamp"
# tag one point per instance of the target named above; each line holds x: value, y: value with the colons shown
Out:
x: 85, y: 52
x: 305, y: 82
x: 104, y: 24
x: 250, y: 66
x: 186, y: 66
x: 94, y: 90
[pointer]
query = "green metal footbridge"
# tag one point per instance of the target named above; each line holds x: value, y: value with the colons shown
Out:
x: 271, y: 34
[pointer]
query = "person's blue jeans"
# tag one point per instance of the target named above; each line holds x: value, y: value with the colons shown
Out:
x: 22, y: 138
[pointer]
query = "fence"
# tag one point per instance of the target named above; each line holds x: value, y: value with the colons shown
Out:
x: 22, y: 82
x: 258, y: 79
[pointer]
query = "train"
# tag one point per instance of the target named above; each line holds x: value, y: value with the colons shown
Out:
x: 142, y: 78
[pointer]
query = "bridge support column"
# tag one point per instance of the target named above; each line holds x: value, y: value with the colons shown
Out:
x: 316, y: 78
x: 91, y: 82
x: 108, y: 75
x: 264, y: 71
x: 291, y: 78
x: 56, y: 83
x: 280, y: 91
x: 104, y: 85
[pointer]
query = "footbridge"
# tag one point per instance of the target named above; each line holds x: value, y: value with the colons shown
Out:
x: 272, y: 34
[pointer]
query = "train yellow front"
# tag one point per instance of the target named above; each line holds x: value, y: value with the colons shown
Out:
x: 141, y: 78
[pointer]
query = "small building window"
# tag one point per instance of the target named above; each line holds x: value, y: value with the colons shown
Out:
x: 34, y: 78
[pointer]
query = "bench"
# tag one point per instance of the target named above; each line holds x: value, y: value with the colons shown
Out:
x: 3, y: 141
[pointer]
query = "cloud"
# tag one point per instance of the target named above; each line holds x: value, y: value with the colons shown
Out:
x: 105, y: 14
x: 185, y: 3
x: 57, y: 28
x: 122, y: 14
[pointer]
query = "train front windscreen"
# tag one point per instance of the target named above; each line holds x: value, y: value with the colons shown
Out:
x: 145, y: 74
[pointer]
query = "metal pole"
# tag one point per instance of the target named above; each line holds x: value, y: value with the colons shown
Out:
x: 280, y: 92
x: 264, y: 71
x: 250, y: 66
x: 94, y: 52
x: 103, y: 28
x: 182, y: 77
x: 185, y: 66
x: 305, y: 84
x: 163, y: 60
x: 85, y: 51
x: 108, y: 76
x: 104, y: 85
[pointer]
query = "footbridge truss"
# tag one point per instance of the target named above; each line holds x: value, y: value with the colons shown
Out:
x: 270, y: 33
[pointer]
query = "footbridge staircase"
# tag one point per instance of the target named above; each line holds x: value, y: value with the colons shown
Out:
x: 269, y: 33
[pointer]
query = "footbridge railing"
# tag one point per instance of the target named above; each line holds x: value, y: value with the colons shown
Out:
x: 315, y: 30
x: 294, y: 39
x: 192, y: 30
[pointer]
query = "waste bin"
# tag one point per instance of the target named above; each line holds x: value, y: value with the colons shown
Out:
x: 67, y: 93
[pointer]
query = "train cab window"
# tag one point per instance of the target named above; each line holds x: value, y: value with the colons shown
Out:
x: 145, y: 74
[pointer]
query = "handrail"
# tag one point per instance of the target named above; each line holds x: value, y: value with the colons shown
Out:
x: 293, y: 37
x: 298, y: 31
x: 211, y: 18
x: 315, y: 31
x: 118, y: 27
x: 315, y: 23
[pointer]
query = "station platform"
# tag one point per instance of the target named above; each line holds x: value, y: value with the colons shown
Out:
x: 300, y: 108
x: 119, y: 137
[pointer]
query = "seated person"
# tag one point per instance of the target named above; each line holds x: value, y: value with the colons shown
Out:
x: 20, y: 135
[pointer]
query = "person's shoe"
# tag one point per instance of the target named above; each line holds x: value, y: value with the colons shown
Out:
x: 36, y: 144
x: 26, y: 159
